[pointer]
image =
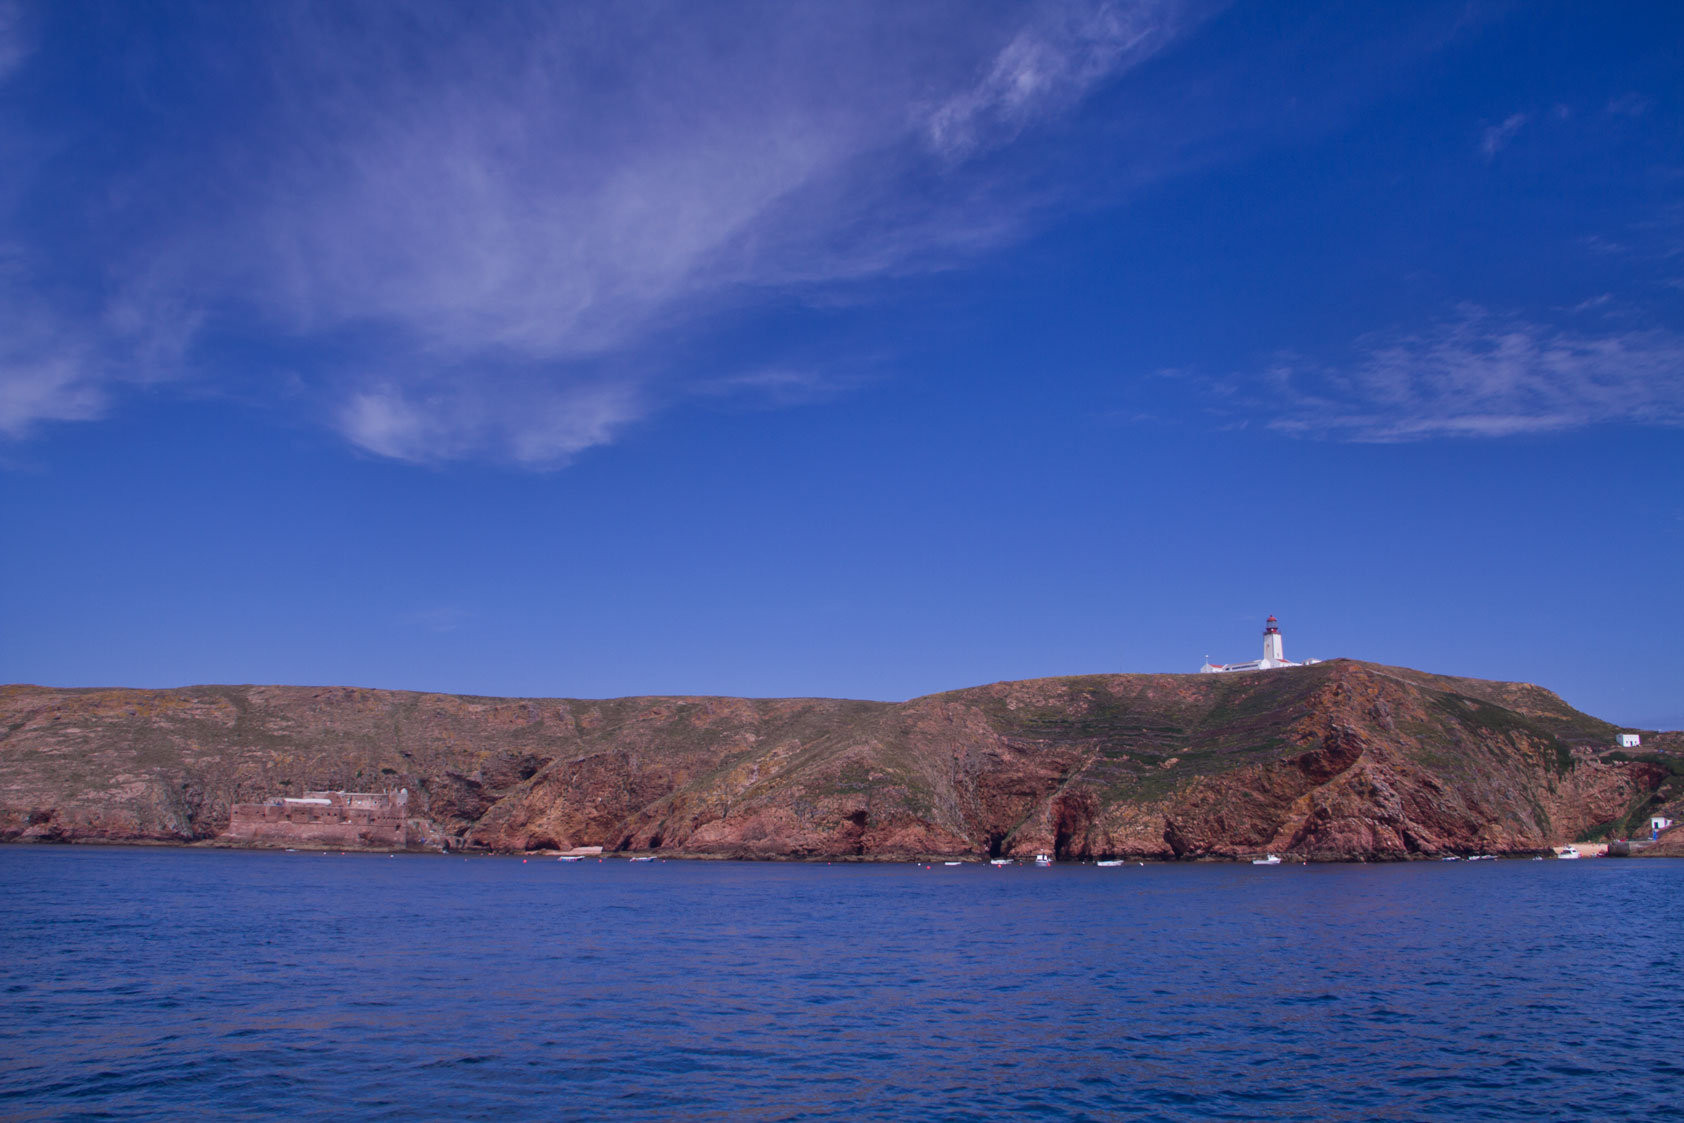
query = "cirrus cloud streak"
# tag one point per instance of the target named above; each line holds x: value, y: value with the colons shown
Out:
x: 488, y: 227
x: 1476, y: 374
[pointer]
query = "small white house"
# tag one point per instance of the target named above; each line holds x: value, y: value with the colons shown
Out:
x: 1657, y: 824
x: 1630, y: 740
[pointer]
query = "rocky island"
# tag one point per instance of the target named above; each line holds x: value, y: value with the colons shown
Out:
x: 1339, y: 760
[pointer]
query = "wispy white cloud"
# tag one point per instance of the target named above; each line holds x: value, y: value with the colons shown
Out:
x: 46, y: 372
x: 513, y: 208
x: 54, y: 386
x: 1628, y: 105
x: 778, y: 387
x: 60, y: 363
x: 1044, y: 68
x: 541, y: 423
x: 1496, y: 137
x: 1476, y: 374
x: 14, y: 41
x: 504, y: 206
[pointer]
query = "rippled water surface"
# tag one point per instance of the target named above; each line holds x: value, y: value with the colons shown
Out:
x: 150, y: 984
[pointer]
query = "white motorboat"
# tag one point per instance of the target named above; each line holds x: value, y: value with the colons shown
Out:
x: 1001, y: 862
x: 1043, y: 860
x: 1271, y: 860
x: 1482, y: 857
x: 953, y: 863
x: 645, y: 858
x: 1568, y: 852
x: 1111, y: 862
x: 571, y: 858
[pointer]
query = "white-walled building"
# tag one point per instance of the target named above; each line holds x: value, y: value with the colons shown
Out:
x: 1657, y: 824
x: 1630, y: 740
x: 1274, y: 655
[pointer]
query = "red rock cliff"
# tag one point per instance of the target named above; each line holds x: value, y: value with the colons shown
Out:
x: 1339, y: 760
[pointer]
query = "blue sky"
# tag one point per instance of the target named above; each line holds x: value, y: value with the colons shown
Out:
x: 864, y: 350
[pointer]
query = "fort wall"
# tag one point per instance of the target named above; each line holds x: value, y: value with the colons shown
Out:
x: 331, y: 818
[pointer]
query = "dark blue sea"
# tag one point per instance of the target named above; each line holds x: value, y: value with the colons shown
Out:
x: 165, y: 983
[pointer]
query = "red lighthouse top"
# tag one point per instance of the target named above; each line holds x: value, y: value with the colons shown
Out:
x: 1272, y: 628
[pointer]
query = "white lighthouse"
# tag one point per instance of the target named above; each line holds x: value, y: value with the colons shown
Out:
x: 1274, y: 654
x: 1274, y: 651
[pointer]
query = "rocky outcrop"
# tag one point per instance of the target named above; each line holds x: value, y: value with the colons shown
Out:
x: 1669, y: 845
x: 1340, y: 760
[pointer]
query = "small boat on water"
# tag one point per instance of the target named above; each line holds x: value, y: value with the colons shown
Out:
x: 1482, y: 857
x: 1002, y: 862
x: 645, y: 858
x: 1043, y: 860
x: 1111, y: 862
x: 1271, y: 860
x: 1450, y: 858
x: 571, y: 858
x: 953, y: 863
x: 1569, y: 852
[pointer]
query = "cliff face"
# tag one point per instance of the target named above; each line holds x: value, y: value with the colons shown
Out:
x: 1338, y: 760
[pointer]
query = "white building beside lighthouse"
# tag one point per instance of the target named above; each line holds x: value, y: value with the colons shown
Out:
x: 1274, y: 655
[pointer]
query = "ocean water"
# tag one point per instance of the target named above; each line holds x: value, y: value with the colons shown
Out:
x: 168, y: 983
